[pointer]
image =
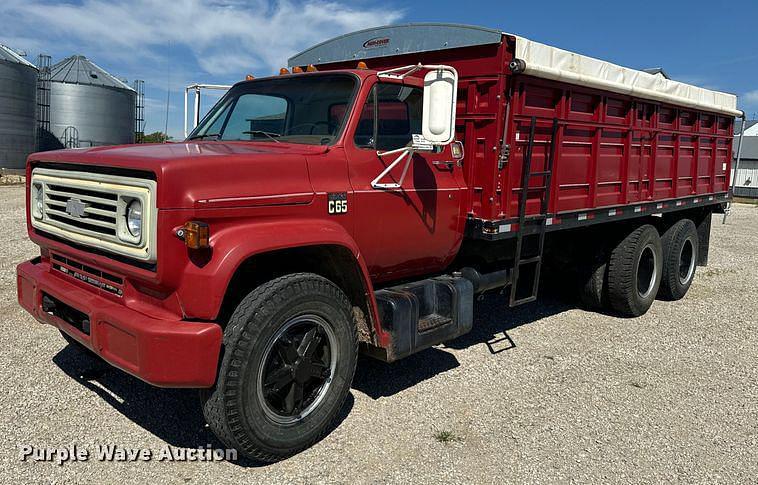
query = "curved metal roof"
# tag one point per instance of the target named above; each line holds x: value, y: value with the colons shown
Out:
x: 541, y: 60
x: 80, y: 70
x: 9, y: 55
x: 390, y: 40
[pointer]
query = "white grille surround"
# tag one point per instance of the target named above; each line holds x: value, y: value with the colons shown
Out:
x: 90, y: 209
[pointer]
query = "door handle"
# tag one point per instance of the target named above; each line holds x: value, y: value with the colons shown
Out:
x: 446, y: 165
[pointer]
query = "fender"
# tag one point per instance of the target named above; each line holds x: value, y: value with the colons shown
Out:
x: 204, y: 287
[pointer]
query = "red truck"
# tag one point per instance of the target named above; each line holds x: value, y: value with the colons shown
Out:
x: 360, y: 201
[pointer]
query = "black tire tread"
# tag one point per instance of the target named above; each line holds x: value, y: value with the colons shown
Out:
x: 592, y: 291
x: 220, y: 408
x: 672, y: 239
x: 622, y: 279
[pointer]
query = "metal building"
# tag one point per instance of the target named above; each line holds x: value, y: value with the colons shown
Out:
x: 88, y: 106
x: 18, y: 108
x: 746, y: 175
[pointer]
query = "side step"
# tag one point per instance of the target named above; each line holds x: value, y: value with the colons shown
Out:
x: 424, y: 313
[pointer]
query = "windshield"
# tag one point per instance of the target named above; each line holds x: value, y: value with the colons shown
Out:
x: 308, y: 109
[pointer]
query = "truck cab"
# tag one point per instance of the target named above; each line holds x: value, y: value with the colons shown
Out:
x: 357, y: 123
x: 294, y: 184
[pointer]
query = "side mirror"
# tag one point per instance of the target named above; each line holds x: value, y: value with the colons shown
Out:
x: 440, y: 91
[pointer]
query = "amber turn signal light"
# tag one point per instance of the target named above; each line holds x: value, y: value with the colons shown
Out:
x: 196, y: 234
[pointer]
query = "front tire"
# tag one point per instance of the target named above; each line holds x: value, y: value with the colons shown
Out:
x: 290, y: 355
x: 634, y: 272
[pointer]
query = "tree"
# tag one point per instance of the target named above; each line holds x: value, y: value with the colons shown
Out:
x: 155, y: 137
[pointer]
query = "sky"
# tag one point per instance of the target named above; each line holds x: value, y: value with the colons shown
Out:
x: 170, y: 44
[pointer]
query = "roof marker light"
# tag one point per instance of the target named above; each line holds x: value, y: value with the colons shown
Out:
x: 362, y: 65
x: 297, y: 70
x: 311, y: 68
x: 249, y: 77
x: 283, y: 71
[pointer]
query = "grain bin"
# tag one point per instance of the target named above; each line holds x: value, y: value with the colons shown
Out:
x: 89, y: 106
x: 18, y: 108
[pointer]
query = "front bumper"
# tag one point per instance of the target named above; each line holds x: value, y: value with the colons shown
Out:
x: 166, y: 353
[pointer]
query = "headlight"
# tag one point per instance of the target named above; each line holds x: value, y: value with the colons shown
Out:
x: 134, y: 218
x: 37, y: 201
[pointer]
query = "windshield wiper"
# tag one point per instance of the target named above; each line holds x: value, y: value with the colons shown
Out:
x: 269, y: 134
x: 207, y: 135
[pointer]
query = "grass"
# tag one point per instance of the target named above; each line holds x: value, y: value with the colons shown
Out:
x: 447, y: 436
x: 745, y: 200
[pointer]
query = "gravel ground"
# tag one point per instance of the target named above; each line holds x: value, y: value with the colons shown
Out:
x: 567, y: 395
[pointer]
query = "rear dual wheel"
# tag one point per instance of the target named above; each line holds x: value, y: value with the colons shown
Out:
x: 592, y: 284
x: 680, y: 253
x: 641, y: 267
x: 634, y: 272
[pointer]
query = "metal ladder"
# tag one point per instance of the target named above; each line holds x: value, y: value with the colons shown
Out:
x: 526, y: 223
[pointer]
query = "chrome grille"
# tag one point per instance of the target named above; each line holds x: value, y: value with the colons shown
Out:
x: 98, y: 209
x: 90, y: 209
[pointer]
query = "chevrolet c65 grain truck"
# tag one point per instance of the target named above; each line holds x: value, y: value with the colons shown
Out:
x: 359, y: 201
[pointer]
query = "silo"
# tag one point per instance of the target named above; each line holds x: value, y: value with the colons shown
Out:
x: 88, y: 106
x: 18, y: 108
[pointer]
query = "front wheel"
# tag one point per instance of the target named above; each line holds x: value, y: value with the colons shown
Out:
x: 290, y: 354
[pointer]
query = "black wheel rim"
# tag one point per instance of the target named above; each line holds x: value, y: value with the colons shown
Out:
x: 686, y: 262
x: 297, y: 369
x: 646, y: 271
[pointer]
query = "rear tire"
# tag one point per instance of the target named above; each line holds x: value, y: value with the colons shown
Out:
x: 290, y: 354
x: 680, y: 253
x: 634, y: 272
x: 592, y: 292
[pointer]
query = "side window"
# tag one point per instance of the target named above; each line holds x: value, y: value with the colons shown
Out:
x: 391, y: 115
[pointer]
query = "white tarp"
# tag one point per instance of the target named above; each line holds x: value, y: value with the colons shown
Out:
x: 549, y: 62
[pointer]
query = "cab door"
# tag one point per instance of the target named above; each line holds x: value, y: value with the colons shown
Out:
x: 416, y: 228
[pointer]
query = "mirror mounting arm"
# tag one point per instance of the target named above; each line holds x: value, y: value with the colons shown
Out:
x: 402, y: 153
x: 401, y: 73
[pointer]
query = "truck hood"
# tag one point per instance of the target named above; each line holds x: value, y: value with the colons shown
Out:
x: 206, y: 173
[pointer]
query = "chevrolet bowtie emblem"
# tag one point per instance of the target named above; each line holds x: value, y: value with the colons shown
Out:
x: 75, y: 208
